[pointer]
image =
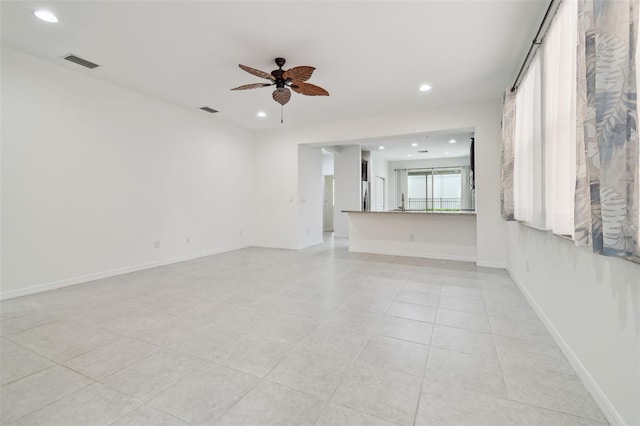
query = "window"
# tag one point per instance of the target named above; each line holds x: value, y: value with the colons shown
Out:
x: 559, y: 119
x: 527, y: 164
x: 545, y: 130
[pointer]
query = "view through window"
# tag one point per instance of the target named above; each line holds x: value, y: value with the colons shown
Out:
x: 434, y: 189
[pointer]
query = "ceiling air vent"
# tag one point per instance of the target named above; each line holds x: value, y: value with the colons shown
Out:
x: 73, y: 58
x: 424, y: 151
x: 211, y: 110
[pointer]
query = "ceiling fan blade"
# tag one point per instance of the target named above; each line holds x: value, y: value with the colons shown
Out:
x: 252, y: 86
x: 256, y: 72
x: 298, y: 73
x: 282, y: 96
x: 308, y: 89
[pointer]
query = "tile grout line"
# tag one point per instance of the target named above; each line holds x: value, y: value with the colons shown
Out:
x: 426, y: 363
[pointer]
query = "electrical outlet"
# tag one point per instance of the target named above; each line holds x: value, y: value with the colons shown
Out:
x: 411, y: 237
x: 241, y: 232
x: 156, y: 244
x: 527, y: 265
x: 188, y: 240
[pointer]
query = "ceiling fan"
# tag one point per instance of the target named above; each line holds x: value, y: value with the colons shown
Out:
x: 293, y: 78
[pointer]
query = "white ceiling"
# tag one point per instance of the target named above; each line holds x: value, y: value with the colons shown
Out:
x: 370, y: 55
x: 400, y: 148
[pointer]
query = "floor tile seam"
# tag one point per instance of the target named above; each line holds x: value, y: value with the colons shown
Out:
x: 400, y: 339
x: 28, y: 375
x: 161, y: 348
x: 59, y: 319
x: 495, y: 348
x: 573, y: 377
x: 463, y: 328
x: 462, y: 297
x: 251, y: 388
x: 480, y: 369
x: 514, y: 292
x: 194, y: 374
x: 559, y: 411
x: 142, y: 400
x: 523, y: 339
x: 59, y: 398
x: 148, y: 406
x: 460, y: 310
x: 413, y: 303
x: 363, y: 412
x: 135, y: 360
x: 424, y: 369
x: 19, y: 315
x: 327, y: 401
x: 412, y: 319
x: 510, y: 318
x: 34, y: 352
x: 475, y: 389
x: 56, y: 362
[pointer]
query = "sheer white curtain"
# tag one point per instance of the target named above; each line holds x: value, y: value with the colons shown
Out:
x: 559, y: 119
x: 527, y: 166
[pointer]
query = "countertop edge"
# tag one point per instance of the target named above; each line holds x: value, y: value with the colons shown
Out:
x: 412, y: 212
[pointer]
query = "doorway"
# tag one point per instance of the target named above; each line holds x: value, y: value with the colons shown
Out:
x: 379, y: 194
x: 327, y: 210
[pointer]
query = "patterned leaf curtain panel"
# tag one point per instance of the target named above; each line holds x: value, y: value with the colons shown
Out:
x: 607, y: 181
x: 506, y: 171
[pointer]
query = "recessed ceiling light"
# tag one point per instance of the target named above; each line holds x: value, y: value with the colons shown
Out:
x: 425, y: 88
x: 409, y: 155
x: 46, y: 16
x: 452, y: 141
x: 381, y: 147
x: 414, y: 144
x: 262, y: 114
x: 446, y: 153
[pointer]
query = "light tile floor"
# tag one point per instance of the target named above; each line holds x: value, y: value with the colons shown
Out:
x: 274, y: 337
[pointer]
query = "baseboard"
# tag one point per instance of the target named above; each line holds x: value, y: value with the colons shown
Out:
x: 589, y: 383
x: 276, y: 246
x: 412, y: 254
x: 311, y: 244
x: 111, y: 273
x: 486, y: 264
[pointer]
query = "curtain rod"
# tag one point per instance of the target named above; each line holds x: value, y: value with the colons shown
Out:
x: 537, y: 40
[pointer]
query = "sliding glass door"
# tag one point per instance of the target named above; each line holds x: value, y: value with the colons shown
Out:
x: 434, y: 189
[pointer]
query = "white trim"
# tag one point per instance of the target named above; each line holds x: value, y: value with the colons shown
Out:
x: 488, y: 264
x: 311, y: 244
x: 275, y: 246
x: 589, y: 383
x: 38, y: 288
x: 411, y: 254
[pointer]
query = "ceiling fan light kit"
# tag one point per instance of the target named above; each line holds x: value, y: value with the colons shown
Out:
x: 294, y: 78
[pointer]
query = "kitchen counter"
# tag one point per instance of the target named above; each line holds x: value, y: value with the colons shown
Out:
x: 429, y: 234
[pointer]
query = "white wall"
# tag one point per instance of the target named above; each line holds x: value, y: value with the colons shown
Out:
x: 274, y: 225
x: 429, y: 235
x: 93, y: 174
x: 347, y: 187
x: 379, y: 168
x: 591, y: 304
x: 310, y: 183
